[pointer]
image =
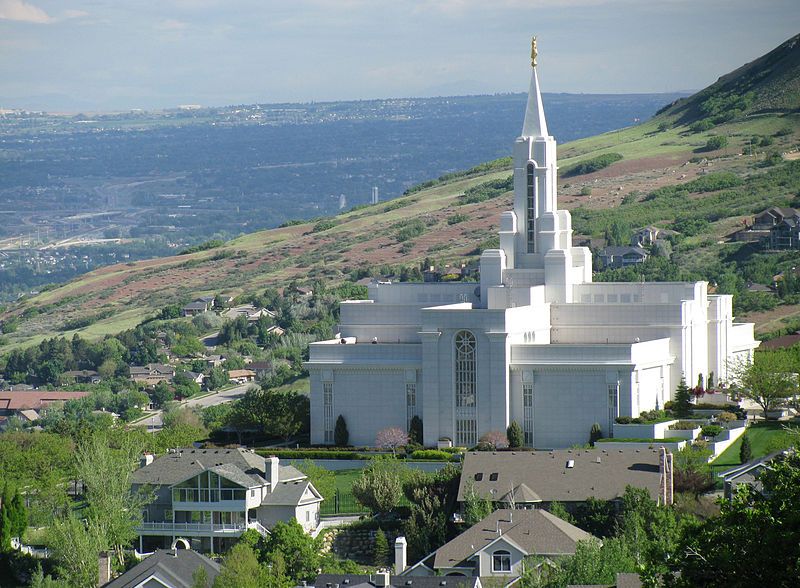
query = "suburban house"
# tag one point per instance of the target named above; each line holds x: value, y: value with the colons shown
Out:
x: 195, y: 377
x: 152, y: 373
x: 206, y: 498
x: 384, y: 579
x: 786, y: 234
x: 241, y: 376
x: 775, y: 228
x: 213, y: 361
x: 498, y: 545
x: 248, y: 311
x: 27, y: 403
x: 260, y: 368
x: 194, y: 308
x: 647, y: 236
x: 528, y: 479
x: 747, y: 474
x: 175, y: 568
x: 616, y: 257
x: 82, y: 376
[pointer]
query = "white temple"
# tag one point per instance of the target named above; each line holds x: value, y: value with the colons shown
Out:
x: 536, y: 342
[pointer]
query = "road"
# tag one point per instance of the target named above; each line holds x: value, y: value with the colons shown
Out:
x: 154, y: 423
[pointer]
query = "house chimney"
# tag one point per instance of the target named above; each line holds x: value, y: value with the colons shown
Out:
x: 104, y: 568
x: 271, y: 467
x: 400, y: 555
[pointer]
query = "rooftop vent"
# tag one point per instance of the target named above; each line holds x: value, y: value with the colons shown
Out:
x: 598, y: 459
x: 570, y: 463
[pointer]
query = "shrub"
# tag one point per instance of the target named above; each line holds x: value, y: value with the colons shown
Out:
x: 411, y: 230
x: 341, y: 436
x: 493, y: 440
x: 380, y: 552
x: 726, y: 417
x: 592, y: 165
x: 623, y: 420
x: 683, y: 426
x: 745, y: 450
x: 415, y: 429
x: 457, y: 218
x: 516, y: 438
x: 487, y: 190
x: 714, y: 143
x: 586, y: 191
x: 702, y: 125
x: 323, y: 225
x: 711, y: 430
x: 783, y: 132
x: 595, y: 433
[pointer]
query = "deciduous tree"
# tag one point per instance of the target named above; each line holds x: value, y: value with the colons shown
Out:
x: 768, y: 380
x: 379, y: 486
x: 391, y: 438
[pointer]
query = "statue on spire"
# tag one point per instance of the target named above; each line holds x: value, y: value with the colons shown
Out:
x: 534, y: 52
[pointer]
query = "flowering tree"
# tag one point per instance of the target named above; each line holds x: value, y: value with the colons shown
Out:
x: 391, y: 438
x: 495, y: 440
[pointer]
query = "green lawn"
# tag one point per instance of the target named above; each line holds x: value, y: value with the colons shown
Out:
x: 765, y: 437
x: 345, y: 479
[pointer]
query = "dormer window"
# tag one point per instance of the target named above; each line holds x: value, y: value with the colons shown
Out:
x: 501, y: 561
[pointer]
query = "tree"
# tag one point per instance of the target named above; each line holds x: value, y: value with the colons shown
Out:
x: 493, y: 440
x: 515, y: 436
x: 391, y: 438
x: 162, y: 393
x: 114, y: 511
x: 217, y: 378
x: 745, y: 450
x: 476, y: 507
x: 755, y: 540
x: 341, y: 436
x: 433, y: 501
x: 595, y: 433
x: 682, y: 405
x: 415, y: 429
x: 557, y: 508
x: 75, y: 547
x: 380, y: 553
x: 278, y: 414
x: 240, y: 569
x: 324, y: 480
x: 294, y: 549
x: 768, y: 381
x: 379, y: 486
x: 200, y: 578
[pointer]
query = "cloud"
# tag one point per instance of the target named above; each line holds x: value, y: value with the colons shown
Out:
x: 23, y: 12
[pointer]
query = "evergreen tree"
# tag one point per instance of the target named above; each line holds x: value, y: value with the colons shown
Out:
x: 595, y: 433
x: 380, y: 553
x: 745, y: 450
x: 415, y: 430
x: 341, y: 436
x: 19, y: 516
x: 515, y: 436
x: 682, y: 405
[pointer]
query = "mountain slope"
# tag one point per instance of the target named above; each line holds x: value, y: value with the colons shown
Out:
x: 438, y: 222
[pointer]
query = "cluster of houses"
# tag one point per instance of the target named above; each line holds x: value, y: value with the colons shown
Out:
x: 777, y: 228
x: 28, y: 405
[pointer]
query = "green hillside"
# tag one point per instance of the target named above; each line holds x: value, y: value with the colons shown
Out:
x: 702, y: 182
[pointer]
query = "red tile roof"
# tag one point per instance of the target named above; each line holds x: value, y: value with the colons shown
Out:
x: 35, y: 399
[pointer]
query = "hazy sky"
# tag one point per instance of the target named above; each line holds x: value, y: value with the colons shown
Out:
x: 118, y: 54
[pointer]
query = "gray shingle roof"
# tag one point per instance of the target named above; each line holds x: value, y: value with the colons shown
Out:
x: 363, y: 581
x: 544, y: 473
x: 289, y: 494
x: 174, y: 568
x: 535, y: 531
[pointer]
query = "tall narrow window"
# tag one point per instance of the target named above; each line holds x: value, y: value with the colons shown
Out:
x: 527, y: 417
x: 613, y: 404
x: 327, y: 410
x: 466, y: 389
x: 531, y: 212
x: 411, y: 404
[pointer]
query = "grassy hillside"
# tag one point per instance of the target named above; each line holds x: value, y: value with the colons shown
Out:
x: 670, y: 173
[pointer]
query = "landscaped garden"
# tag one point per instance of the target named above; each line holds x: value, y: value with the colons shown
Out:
x: 765, y: 437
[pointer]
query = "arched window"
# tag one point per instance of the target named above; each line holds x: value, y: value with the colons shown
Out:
x: 531, y: 208
x: 466, y: 389
x: 501, y: 561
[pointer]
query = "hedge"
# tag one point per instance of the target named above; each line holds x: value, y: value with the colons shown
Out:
x: 432, y: 455
x: 634, y: 440
x: 312, y: 454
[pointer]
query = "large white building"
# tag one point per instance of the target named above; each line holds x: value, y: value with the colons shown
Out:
x: 536, y: 342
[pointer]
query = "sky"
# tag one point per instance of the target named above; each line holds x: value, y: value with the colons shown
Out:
x: 121, y: 54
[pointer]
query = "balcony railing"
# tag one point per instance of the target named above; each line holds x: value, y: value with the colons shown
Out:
x: 224, y: 528
x: 207, y: 494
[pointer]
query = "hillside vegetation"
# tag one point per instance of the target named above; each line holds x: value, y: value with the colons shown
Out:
x: 662, y: 172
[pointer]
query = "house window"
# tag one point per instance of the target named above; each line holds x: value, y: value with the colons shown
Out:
x: 531, y: 208
x: 411, y: 404
x: 466, y: 389
x: 327, y: 411
x: 527, y: 417
x: 308, y: 516
x: 501, y: 561
x: 613, y: 404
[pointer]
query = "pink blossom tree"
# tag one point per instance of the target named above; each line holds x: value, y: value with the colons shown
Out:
x: 495, y: 440
x: 391, y: 438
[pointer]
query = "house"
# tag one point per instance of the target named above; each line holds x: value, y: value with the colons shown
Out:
x: 215, y: 360
x: 208, y: 497
x: 241, y: 376
x: 498, y: 545
x: 195, y: 377
x: 536, y: 341
x: 304, y: 291
x: 383, y: 579
x: 194, y: 308
x: 249, y: 311
x: 532, y: 478
x: 152, y: 373
x: 766, y: 220
x: 747, y: 473
x: 786, y: 234
x: 174, y: 568
x: 14, y: 403
x: 616, y: 257
x: 83, y: 376
x: 276, y: 330
x: 261, y: 368
x: 647, y: 236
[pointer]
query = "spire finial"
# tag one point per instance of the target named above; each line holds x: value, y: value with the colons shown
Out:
x: 534, y: 52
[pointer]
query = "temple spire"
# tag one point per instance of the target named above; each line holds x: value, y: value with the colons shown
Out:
x: 535, y: 124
